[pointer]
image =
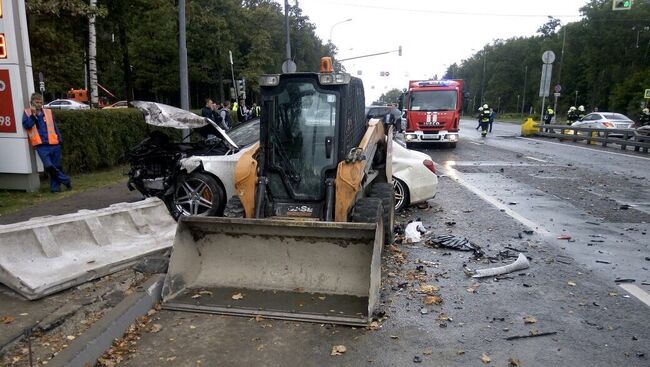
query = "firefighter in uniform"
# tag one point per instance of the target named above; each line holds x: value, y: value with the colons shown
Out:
x: 45, y: 137
x: 581, y: 112
x: 572, y: 115
x: 484, y: 117
x: 644, y: 118
x: 478, y: 117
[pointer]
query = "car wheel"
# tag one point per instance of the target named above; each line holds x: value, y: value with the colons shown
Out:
x: 401, y: 194
x: 197, y: 194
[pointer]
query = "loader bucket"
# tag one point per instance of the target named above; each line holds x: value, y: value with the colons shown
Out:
x: 282, y: 269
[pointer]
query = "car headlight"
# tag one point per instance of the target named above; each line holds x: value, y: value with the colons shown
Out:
x: 410, y: 137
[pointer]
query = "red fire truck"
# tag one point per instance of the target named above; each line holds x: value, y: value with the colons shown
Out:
x: 433, y: 110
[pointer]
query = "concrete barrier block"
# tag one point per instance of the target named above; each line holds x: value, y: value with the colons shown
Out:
x: 48, y: 254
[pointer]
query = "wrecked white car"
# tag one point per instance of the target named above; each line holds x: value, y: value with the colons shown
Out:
x: 196, y: 178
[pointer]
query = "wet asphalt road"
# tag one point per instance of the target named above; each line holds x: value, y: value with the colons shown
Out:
x: 507, y: 195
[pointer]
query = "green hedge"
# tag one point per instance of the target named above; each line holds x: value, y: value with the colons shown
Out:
x: 98, y: 139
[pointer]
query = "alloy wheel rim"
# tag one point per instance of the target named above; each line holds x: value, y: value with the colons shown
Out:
x: 193, y: 197
x: 399, y: 193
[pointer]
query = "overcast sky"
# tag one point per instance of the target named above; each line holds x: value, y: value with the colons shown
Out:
x: 433, y: 33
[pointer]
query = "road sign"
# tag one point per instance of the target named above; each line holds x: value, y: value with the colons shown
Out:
x: 288, y: 66
x: 545, y: 82
x: 647, y: 94
x: 556, y: 95
x: 558, y: 88
x: 548, y: 57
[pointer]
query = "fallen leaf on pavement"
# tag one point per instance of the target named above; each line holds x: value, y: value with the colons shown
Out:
x: 571, y: 283
x: 432, y: 300
x: 529, y: 320
x: 612, y: 294
x: 428, y: 352
x: 485, y: 358
x: 170, y: 359
x: 70, y: 337
x: 460, y: 352
x: 260, y: 347
x: 514, y: 362
x: 394, y: 337
x: 6, y: 319
x: 237, y: 296
x: 473, y: 286
x: 258, y: 318
x: 428, y: 289
x: 338, y: 350
x: 155, y: 328
x: 373, y: 325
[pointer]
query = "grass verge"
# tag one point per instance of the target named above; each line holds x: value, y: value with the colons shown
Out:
x: 13, y: 200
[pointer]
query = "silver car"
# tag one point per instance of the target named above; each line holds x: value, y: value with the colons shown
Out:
x: 66, y: 104
x: 605, y: 120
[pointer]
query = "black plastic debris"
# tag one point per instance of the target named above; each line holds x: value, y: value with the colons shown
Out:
x: 455, y: 243
x: 417, y: 359
x: 624, y: 207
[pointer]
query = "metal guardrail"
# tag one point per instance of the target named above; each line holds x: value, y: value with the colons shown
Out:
x: 622, y: 137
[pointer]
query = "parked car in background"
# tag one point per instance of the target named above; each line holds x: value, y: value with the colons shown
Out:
x: 119, y: 104
x: 66, y: 104
x: 605, y: 120
x: 196, y: 178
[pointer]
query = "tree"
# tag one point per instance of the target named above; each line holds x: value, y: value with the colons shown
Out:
x: 392, y: 96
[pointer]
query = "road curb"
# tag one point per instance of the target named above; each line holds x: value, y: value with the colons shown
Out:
x: 85, y: 350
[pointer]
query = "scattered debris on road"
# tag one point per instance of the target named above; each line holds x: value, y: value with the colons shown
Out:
x: 520, y: 264
x: 533, y: 334
x: 338, y: 350
x: 455, y: 243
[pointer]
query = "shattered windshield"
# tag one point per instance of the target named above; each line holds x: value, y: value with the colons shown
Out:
x: 246, y: 134
x: 303, y: 120
x: 433, y: 100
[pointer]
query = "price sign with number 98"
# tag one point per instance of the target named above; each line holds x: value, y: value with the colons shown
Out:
x: 7, y: 119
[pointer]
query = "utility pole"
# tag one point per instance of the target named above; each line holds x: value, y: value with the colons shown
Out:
x: 483, y: 77
x: 182, y: 62
x: 92, y: 55
x: 523, y: 99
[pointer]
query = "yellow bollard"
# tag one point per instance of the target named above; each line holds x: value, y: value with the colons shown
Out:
x: 593, y: 135
x: 529, y: 127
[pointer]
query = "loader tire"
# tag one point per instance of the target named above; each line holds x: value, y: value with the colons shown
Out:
x: 385, y: 192
x: 367, y: 210
x: 234, y: 208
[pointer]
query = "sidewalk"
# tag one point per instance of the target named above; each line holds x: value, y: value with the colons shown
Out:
x: 94, y: 199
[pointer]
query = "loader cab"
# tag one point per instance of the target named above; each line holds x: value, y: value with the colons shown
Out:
x: 309, y: 123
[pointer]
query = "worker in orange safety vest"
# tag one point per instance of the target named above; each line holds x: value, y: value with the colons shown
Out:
x: 45, y: 137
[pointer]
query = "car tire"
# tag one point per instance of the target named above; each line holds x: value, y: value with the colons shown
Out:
x: 234, y: 208
x: 384, y: 192
x: 196, y: 194
x: 401, y: 194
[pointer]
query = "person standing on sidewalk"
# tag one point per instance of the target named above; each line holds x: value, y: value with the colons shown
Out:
x: 45, y: 137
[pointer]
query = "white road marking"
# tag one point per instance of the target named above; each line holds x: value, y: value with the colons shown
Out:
x: 451, y: 172
x: 637, y: 292
x: 475, y: 143
x: 592, y: 150
x: 537, y: 159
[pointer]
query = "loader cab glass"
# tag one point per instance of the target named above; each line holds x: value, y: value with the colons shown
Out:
x: 444, y: 100
x: 302, y: 126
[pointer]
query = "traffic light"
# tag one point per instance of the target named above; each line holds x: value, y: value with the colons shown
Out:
x: 621, y: 4
x: 241, y: 88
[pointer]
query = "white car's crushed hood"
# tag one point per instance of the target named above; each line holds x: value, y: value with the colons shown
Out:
x: 158, y: 114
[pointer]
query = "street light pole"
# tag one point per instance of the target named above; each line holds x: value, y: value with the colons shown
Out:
x: 523, y: 99
x: 483, y: 77
x: 575, y: 102
x: 335, y: 24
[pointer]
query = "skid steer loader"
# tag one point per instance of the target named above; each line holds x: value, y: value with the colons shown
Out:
x: 302, y: 240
